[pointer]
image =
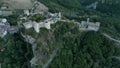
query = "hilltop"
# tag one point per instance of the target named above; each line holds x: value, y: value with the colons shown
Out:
x: 61, y: 34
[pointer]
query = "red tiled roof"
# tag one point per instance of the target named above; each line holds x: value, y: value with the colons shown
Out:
x: 1, y: 30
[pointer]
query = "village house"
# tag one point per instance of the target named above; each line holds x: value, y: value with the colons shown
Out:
x: 13, y: 29
x: 5, y: 12
x: 3, y: 27
x: 3, y: 6
x: 6, y: 28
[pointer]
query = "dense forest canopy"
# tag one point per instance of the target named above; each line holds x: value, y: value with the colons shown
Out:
x: 110, y: 7
x: 84, y: 50
x: 17, y: 53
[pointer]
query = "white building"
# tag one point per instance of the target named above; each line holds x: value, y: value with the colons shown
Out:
x: 28, y: 24
x: 4, y: 20
x: 87, y: 25
x: 93, y: 26
x: 46, y: 23
x: 36, y: 27
x: 26, y: 12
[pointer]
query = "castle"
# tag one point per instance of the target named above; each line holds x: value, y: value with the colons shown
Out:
x: 87, y: 25
x: 46, y: 23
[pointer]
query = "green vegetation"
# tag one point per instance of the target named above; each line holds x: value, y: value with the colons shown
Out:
x: 86, y: 49
x: 83, y: 49
x: 37, y: 17
x: 78, y: 49
x: 87, y: 2
x: 68, y: 7
x: 111, y: 8
x: 12, y: 19
x: 17, y: 53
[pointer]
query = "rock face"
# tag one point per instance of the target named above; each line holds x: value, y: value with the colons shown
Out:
x: 29, y: 39
x: 42, y: 47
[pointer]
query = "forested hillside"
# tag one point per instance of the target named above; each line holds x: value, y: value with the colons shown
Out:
x: 17, y: 53
x: 84, y: 49
x: 87, y: 49
x: 110, y: 7
x: 107, y: 12
x: 69, y: 8
x: 76, y: 48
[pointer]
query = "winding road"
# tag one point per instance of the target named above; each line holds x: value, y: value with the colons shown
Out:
x: 51, y: 58
x: 117, y: 42
x: 109, y: 37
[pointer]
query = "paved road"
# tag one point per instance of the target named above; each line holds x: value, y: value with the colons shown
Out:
x: 93, y: 5
x: 117, y: 43
x: 109, y: 37
x: 116, y: 57
x: 51, y: 58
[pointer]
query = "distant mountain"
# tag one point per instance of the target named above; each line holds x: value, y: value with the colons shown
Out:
x: 109, y: 7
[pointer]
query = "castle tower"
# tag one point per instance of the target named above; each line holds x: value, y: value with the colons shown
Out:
x: 59, y: 15
x: 36, y: 27
x: 88, y: 20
